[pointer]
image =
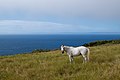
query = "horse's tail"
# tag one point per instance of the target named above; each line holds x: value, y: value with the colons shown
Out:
x: 88, y: 54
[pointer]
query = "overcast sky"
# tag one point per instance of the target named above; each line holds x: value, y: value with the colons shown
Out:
x: 59, y: 16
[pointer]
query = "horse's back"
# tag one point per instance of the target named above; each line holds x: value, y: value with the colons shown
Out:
x: 83, y: 49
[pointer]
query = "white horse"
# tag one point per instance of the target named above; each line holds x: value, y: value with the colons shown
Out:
x: 76, y: 51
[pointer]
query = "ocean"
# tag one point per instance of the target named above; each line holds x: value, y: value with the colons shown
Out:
x: 17, y: 44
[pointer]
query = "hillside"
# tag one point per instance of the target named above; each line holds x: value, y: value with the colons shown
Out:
x: 102, y: 42
x: 104, y: 65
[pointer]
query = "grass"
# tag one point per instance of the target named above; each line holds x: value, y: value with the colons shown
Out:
x: 104, y: 65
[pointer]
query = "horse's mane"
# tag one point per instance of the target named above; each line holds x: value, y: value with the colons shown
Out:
x: 68, y: 47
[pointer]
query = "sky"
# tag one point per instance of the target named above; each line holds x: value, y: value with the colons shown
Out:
x: 59, y: 16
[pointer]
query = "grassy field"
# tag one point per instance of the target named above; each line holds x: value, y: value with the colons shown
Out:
x: 104, y: 65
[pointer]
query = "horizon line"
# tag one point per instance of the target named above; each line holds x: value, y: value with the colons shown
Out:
x: 104, y: 33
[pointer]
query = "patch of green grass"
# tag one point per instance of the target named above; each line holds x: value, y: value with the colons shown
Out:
x: 104, y: 65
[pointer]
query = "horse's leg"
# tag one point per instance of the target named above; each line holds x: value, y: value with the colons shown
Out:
x: 70, y: 58
x: 88, y: 53
x: 84, y: 58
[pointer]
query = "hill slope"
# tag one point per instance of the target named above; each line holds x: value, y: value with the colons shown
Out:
x: 104, y: 65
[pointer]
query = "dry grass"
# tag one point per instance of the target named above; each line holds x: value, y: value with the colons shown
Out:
x: 104, y: 65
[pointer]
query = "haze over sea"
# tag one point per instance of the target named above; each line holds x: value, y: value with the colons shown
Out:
x: 14, y: 44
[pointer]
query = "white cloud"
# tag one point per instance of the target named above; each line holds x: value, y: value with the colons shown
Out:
x: 70, y: 9
x: 37, y: 27
x: 64, y: 8
x: 33, y: 27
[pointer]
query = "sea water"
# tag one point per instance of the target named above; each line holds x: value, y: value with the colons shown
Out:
x: 16, y: 44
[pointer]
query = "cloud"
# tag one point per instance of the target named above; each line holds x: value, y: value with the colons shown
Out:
x: 37, y: 27
x: 33, y: 27
x: 61, y: 16
x: 63, y: 8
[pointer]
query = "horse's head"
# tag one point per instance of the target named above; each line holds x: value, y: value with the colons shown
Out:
x: 62, y: 48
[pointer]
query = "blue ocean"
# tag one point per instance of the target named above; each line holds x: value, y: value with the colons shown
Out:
x: 16, y: 44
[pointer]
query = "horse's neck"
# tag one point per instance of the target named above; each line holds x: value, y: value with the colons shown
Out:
x: 67, y: 48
